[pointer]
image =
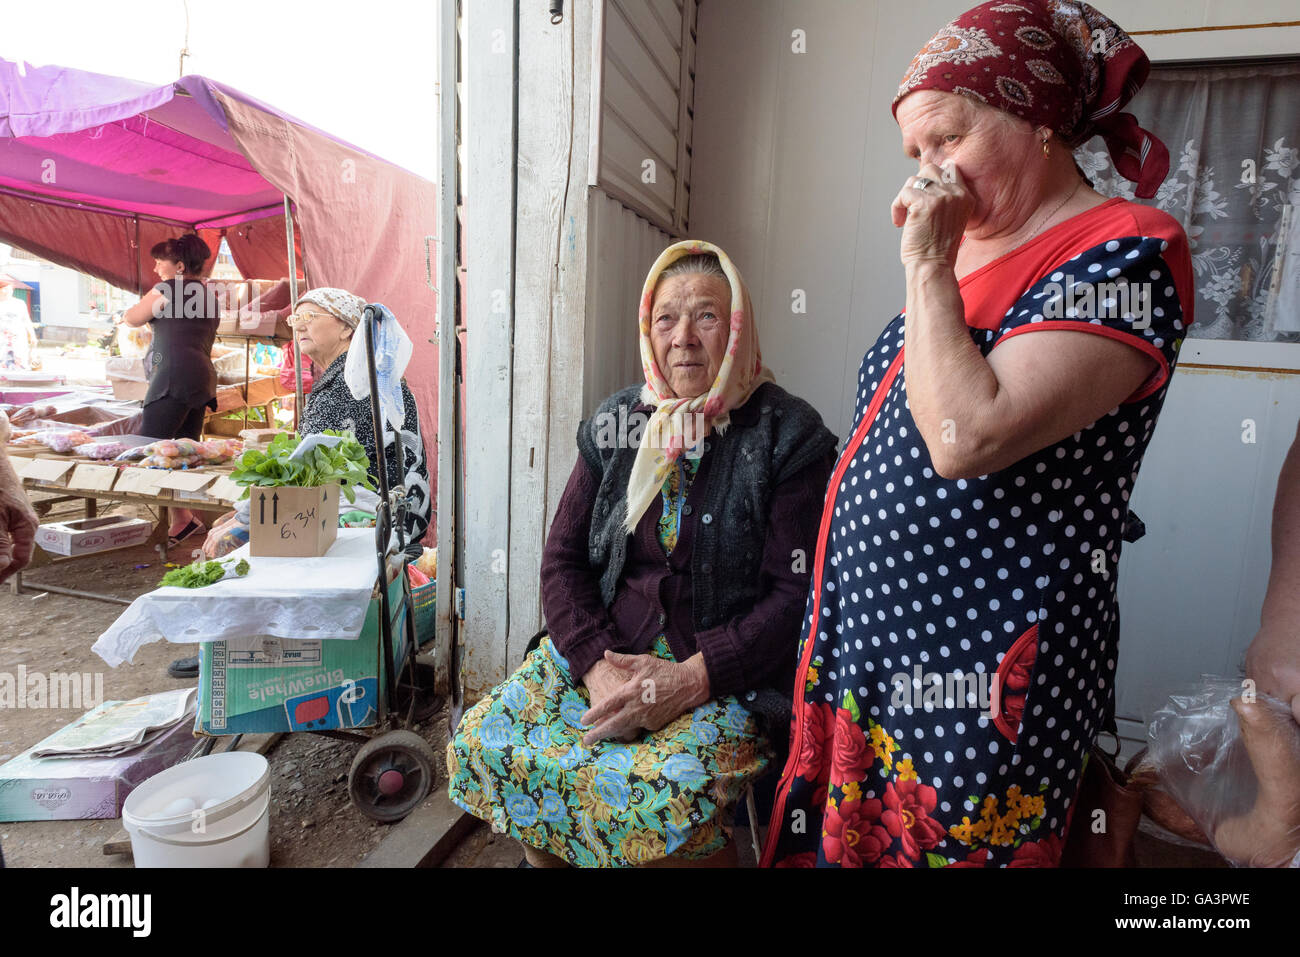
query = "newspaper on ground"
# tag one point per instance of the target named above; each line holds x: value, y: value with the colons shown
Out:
x: 122, y: 726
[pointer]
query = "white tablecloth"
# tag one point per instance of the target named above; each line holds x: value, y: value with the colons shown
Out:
x: 323, y: 597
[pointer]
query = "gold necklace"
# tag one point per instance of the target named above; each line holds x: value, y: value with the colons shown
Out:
x: 1044, y: 222
x: 1060, y: 207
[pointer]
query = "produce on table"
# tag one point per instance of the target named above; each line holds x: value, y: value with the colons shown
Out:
x: 344, y: 463
x: 30, y: 412
x: 101, y: 450
x: 60, y: 441
x: 201, y: 573
x: 184, y: 453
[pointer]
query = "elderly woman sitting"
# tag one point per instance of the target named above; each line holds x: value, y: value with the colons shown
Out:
x: 964, y: 599
x: 324, y: 322
x: 672, y: 581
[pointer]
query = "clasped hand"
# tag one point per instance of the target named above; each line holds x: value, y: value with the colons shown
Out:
x: 634, y: 692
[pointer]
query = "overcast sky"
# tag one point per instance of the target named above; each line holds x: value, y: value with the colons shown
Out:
x: 362, y: 70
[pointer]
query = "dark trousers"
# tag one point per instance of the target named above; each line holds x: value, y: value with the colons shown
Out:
x: 169, y: 418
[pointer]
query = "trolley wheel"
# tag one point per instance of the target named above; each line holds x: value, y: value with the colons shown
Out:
x: 427, y: 701
x: 391, y: 775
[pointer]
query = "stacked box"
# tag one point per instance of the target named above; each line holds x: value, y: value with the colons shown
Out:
x: 78, y: 789
x: 262, y: 684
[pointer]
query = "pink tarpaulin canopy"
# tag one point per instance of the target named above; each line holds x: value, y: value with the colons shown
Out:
x: 94, y: 170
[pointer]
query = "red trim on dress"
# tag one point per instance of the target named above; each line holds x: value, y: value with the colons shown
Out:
x: 990, y: 291
x: 819, y: 565
x: 1066, y: 325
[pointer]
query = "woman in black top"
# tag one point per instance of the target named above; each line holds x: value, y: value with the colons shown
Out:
x: 182, y: 379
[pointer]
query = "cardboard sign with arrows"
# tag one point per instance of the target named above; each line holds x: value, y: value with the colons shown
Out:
x: 291, y: 521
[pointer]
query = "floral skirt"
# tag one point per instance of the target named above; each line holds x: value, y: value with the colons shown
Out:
x: 517, y: 761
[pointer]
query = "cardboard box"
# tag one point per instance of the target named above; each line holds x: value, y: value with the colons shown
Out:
x: 93, y: 478
x: 259, y: 438
x: 86, y: 415
x: 225, y: 489
x: 262, y: 684
x: 261, y: 390
x: 85, y: 535
x: 142, y: 481
x: 290, y: 521
x: 187, y: 485
x: 223, y: 426
x: 126, y: 367
x: 60, y: 789
x: 128, y: 388
x: 47, y: 471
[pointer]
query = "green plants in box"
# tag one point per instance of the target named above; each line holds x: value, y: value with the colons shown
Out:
x: 345, y: 462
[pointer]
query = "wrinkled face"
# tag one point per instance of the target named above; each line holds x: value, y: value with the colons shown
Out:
x: 321, y: 337
x: 689, y: 328
x: 991, y: 151
x: 166, y: 269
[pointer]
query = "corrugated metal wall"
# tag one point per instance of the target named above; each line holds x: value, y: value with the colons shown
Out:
x: 645, y: 109
x: 626, y: 247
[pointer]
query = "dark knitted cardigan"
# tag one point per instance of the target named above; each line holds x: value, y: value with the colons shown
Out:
x: 773, y: 439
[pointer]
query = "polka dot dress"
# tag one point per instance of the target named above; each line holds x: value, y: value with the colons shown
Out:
x: 958, y: 654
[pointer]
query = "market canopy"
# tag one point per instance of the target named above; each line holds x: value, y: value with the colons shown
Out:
x: 95, y: 169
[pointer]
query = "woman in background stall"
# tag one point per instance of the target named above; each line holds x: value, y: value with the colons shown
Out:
x: 182, y: 379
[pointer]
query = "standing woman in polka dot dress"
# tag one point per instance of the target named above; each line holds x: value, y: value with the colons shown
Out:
x: 958, y: 653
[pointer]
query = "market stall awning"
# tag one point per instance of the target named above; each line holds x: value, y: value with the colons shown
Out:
x: 95, y: 169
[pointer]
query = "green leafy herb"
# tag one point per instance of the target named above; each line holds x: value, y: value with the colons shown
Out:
x: 345, y: 464
x: 201, y: 573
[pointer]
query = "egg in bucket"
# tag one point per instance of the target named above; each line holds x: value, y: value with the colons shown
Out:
x: 213, y: 811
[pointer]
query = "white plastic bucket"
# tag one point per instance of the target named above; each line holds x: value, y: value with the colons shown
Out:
x: 213, y: 811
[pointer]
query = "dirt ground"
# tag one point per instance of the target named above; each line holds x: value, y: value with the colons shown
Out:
x: 313, y: 823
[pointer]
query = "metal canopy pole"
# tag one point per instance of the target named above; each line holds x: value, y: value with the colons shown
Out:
x: 293, y: 304
x: 449, y: 479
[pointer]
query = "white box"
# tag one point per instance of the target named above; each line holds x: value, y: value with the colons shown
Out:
x: 86, y: 535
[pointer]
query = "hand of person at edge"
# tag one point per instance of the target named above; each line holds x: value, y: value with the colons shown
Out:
x: 1273, y: 663
x: 933, y: 219
x: 18, y: 520
x: 654, y: 691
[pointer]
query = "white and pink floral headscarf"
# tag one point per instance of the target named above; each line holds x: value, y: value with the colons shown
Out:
x: 678, y: 425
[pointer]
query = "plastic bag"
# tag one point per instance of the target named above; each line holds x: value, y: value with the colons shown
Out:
x: 184, y: 453
x: 30, y: 413
x: 133, y: 342
x: 392, y: 354
x: 60, y: 441
x: 1234, y: 767
x: 287, y: 380
x: 101, y: 450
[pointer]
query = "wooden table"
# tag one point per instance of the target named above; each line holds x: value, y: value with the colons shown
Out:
x: 70, y: 477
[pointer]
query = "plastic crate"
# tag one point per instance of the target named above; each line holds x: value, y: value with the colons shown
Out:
x: 424, y: 604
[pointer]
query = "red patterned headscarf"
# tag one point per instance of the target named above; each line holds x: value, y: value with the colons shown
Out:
x: 1057, y: 64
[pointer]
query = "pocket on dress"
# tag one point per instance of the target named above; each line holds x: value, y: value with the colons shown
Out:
x: 1013, y: 677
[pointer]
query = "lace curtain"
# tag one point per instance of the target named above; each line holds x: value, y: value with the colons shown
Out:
x: 1235, y: 213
